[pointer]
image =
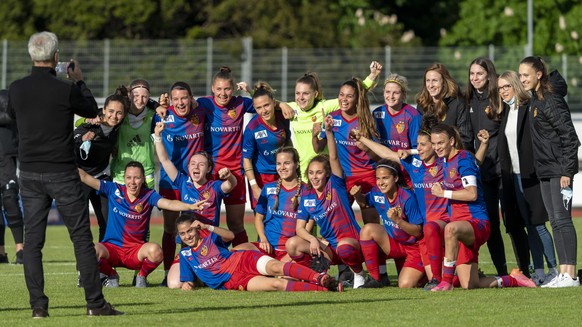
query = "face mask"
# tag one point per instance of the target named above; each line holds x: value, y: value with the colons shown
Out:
x: 566, y: 196
x: 510, y: 102
x: 85, y: 148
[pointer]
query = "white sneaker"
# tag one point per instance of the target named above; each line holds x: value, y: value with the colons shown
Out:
x: 551, y: 283
x: 550, y: 276
x: 567, y: 281
x: 359, y: 279
x: 538, y: 279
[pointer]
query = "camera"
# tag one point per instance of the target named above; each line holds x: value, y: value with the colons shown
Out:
x: 63, y: 66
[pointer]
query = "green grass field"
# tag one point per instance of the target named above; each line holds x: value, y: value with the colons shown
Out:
x: 372, y: 307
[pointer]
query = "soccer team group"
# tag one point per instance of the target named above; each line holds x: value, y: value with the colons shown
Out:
x: 416, y: 174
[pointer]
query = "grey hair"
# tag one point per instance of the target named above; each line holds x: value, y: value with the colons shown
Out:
x: 43, y: 46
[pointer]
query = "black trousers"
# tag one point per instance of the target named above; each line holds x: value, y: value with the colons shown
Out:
x: 495, y: 245
x: 37, y: 191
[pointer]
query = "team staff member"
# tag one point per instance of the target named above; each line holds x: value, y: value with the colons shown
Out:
x: 182, y: 136
x: 10, y: 204
x: 48, y: 170
x: 125, y: 243
x: 264, y: 134
x: 469, y: 226
x: 483, y: 100
x: 224, y: 125
x: 555, y: 149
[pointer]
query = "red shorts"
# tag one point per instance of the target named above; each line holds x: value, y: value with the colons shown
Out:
x: 123, y: 257
x: 411, y: 254
x: 470, y: 254
x: 261, y: 179
x: 365, y: 180
x: 246, y: 269
x: 277, y: 254
x: 176, y: 259
x: 170, y: 194
x: 238, y: 195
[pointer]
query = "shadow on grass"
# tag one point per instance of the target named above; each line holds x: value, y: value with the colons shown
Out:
x: 81, y: 306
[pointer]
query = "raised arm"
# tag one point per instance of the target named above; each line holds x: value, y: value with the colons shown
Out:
x: 162, y: 153
x: 228, y: 178
x: 483, y: 137
x: 89, y: 180
x: 376, y: 148
x: 175, y: 205
x: 336, y: 167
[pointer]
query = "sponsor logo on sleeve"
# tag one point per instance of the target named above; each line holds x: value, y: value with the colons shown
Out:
x: 260, y: 134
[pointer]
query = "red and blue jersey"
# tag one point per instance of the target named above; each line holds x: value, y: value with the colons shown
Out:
x: 279, y: 224
x: 398, y: 131
x: 405, y: 203
x: 182, y: 136
x: 128, y: 221
x: 459, y: 172
x: 423, y: 177
x: 211, y: 192
x: 353, y: 160
x: 210, y: 261
x: 331, y: 211
x: 260, y: 142
x: 224, y: 127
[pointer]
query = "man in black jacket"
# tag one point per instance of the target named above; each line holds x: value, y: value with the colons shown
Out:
x: 44, y: 108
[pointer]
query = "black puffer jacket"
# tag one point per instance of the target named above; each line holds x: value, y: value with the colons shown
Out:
x: 490, y: 169
x: 555, y: 142
x: 8, y: 132
x: 101, y: 147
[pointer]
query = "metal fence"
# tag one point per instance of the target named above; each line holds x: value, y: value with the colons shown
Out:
x: 108, y: 63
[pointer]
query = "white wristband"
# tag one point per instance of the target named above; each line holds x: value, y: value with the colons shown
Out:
x: 156, y: 139
x: 448, y: 194
x: 413, y: 151
x: 211, y: 228
x: 253, y: 182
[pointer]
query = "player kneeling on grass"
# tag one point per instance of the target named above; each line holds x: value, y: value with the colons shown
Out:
x: 130, y: 208
x: 469, y: 226
x: 207, y: 257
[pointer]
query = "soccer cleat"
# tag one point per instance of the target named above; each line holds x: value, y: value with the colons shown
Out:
x: 111, y: 281
x: 345, y: 275
x: 567, y: 281
x: 19, y: 257
x: 141, y: 281
x: 442, y: 286
x: 431, y: 284
x: 522, y: 280
x: 372, y: 283
x: 359, y: 279
x: 106, y: 310
x: 384, y: 280
x: 4, y: 257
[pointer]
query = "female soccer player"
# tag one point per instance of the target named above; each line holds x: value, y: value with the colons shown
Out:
x: 225, y: 119
x: 469, y: 226
x: 276, y: 211
x: 555, y: 150
x: 397, y: 122
x: 440, y: 95
x: 521, y: 198
x: 483, y: 100
x: 325, y: 200
x: 94, y: 145
x: 402, y: 229
x: 263, y: 135
x: 207, y: 257
x: 124, y: 244
x: 357, y: 165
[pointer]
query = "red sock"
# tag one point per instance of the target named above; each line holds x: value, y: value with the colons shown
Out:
x: 370, y: 250
x: 239, y: 238
x: 105, y: 267
x: 351, y: 256
x: 300, y: 272
x: 147, y: 267
x: 433, y: 240
x: 302, y: 259
x: 296, y: 286
x: 508, y: 281
x: 448, y: 273
x: 168, y: 249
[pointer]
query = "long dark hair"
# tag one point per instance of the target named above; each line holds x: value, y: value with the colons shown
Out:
x: 538, y: 65
x: 323, y: 159
x: 493, y: 113
x: 394, y: 169
x: 450, y: 89
x: 121, y: 95
x: 295, y: 157
x: 365, y: 119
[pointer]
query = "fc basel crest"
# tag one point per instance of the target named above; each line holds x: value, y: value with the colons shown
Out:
x: 433, y: 171
x: 328, y: 196
x: 452, y: 173
x: 206, y: 195
x: 138, y: 207
x: 313, y: 118
x: 195, y: 120
x: 400, y: 127
x: 232, y: 113
x: 204, y: 250
x: 535, y: 112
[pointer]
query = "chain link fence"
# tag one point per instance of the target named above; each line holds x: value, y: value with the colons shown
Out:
x: 109, y: 63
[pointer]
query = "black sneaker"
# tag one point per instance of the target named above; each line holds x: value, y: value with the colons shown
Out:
x: 19, y: 257
x: 430, y: 285
x: 345, y: 275
x: 39, y: 313
x: 330, y: 283
x: 372, y: 283
x: 106, y: 310
x: 384, y: 280
x: 4, y: 257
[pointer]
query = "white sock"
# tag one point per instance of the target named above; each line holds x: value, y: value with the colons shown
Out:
x: 359, y: 279
x: 382, y: 269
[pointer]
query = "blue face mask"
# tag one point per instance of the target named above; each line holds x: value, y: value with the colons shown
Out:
x: 85, y: 147
x: 510, y: 102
